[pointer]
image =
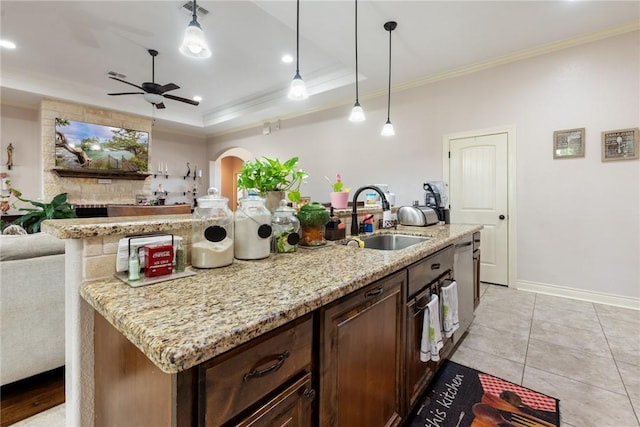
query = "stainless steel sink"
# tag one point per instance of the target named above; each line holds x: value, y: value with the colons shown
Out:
x: 391, y: 242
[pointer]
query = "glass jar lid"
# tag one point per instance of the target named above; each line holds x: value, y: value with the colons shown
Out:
x: 212, y: 200
x: 284, y: 210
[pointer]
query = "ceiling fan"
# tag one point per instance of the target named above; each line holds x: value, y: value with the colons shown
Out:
x: 154, y: 93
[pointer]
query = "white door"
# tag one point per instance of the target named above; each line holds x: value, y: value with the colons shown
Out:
x: 478, y: 194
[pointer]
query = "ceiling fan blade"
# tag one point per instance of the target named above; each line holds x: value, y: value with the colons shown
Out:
x: 159, y: 106
x: 127, y: 93
x: 177, y: 98
x: 126, y: 82
x: 168, y: 87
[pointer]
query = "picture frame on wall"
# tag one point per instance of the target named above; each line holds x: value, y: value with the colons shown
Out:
x: 620, y: 144
x: 568, y: 143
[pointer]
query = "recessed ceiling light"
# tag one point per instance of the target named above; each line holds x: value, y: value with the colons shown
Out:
x: 287, y: 59
x: 197, y: 98
x: 8, y: 44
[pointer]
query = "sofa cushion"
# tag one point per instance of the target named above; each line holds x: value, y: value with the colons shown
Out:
x: 13, y: 247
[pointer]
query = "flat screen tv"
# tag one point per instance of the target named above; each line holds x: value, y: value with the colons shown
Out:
x: 91, y: 147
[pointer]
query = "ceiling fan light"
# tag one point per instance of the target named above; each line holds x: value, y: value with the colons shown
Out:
x: 387, y: 129
x: 153, y: 98
x: 298, y: 90
x: 194, y: 45
x: 357, y: 113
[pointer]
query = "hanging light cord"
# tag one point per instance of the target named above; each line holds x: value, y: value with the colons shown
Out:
x: 357, y: 100
x: 389, y: 91
x: 297, y: 37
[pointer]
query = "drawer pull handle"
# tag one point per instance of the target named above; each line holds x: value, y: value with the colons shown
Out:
x: 435, y: 266
x: 257, y: 373
x: 309, y: 394
x: 374, y: 292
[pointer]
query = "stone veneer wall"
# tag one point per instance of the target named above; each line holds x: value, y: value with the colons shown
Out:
x: 87, y: 191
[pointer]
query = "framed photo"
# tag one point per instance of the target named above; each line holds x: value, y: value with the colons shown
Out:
x: 568, y: 143
x: 620, y: 144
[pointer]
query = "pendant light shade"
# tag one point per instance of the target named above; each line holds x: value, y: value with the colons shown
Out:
x: 357, y: 113
x: 194, y: 44
x: 298, y: 90
x: 387, y: 129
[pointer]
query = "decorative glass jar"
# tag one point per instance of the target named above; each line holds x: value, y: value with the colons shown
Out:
x: 313, y: 218
x: 286, y: 229
x: 252, y: 228
x: 212, y: 232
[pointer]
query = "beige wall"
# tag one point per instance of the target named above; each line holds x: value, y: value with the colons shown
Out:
x: 578, y: 220
x: 86, y: 190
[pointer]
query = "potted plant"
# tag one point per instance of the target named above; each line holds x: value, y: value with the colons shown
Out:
x: 272, y: 175
x: 339, y: 197
x: 58, y: 208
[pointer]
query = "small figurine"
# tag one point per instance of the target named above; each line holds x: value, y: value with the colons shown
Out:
x: 9, y: 156
x: 188, y: 171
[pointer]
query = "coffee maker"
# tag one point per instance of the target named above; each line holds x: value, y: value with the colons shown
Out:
x: 436, y: 199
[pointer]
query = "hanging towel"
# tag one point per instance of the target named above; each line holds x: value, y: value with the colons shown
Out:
x: 431, y: 342
x: 450, y: 309
x: 425, y: 345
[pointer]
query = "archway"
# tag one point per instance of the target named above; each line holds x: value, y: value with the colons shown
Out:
x: 224, y: 172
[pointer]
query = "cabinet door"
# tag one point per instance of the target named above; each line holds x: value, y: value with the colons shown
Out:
x: 361, y: 356
x: 291, y: 408
x: 417, y: 373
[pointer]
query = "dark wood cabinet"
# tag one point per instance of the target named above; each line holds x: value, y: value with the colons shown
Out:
x: 265, y: 382
x: 426, y: 277
x: 361, y: 356
x: 239, y: 381
x: 290, y: 408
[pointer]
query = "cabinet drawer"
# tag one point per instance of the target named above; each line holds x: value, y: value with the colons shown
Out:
x: 291, y: 408
x: 427, y: 270
x: 236, y: 380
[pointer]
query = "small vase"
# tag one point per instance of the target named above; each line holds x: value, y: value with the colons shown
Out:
x: 339, y: 200
x: 272, y: 199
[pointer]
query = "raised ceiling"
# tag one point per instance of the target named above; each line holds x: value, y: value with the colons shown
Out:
x: 66, y: 48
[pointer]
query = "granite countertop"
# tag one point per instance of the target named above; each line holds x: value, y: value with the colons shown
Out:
x: 180, y: 323
x: 82, y: 228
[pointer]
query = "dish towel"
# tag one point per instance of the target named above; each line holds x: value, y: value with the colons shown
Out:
x: 431, y: 341
x: 450, y: 309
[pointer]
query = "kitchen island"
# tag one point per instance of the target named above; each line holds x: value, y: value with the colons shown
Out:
x: 181, y: 324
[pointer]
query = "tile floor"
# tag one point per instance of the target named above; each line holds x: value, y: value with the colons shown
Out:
x: 587, y: 355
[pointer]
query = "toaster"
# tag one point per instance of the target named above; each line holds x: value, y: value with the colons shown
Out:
x: 420, y: 216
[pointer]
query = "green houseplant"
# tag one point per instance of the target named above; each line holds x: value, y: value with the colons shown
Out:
x: 272, y: 175
x: 58, y: 208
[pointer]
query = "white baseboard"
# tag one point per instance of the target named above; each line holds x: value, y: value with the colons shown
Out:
x: 579, y: 294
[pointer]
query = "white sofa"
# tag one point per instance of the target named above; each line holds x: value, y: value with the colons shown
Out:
x: 31, y: 305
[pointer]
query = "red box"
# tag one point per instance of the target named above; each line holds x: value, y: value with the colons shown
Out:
x: 158, y: 259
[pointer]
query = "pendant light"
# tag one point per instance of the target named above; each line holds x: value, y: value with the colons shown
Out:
x: 357, y: 113
x: 194, y: 45
x: 298, y: 90
x: 387, y: 129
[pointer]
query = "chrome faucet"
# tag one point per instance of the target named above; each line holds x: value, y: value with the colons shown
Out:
x: 354, y: 212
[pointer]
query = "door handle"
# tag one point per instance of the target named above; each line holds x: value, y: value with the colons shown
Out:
x: 501, y: 217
